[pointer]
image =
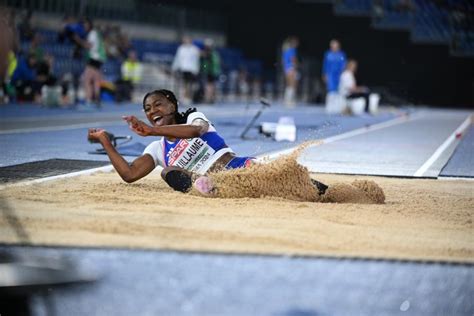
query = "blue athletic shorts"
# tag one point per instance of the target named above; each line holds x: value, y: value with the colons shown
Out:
x: 239, y: 162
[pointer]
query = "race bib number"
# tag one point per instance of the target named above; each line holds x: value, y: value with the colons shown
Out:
x: 190, y: 154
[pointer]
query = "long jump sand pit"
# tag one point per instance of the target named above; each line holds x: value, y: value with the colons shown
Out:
x: 420, y: 219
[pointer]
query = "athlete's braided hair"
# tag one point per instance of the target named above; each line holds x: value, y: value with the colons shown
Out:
x: 180, y: 118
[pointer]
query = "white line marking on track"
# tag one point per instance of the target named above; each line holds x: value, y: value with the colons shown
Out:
x: 422, y: 170
x: 359, y: 131
x: 455, y: 178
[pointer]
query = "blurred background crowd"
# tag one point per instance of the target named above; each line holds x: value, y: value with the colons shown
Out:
x: 64, y: 53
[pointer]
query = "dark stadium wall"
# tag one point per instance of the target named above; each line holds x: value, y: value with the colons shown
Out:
x: 421, y: 74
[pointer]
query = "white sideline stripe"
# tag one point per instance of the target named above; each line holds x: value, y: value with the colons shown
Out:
x: 107, y: 168
x: 59, y: 127
x: 421, y: 171
x: 359, y: 131
x: 455, y: 178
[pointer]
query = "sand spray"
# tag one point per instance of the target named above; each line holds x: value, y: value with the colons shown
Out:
x: 284, y: 177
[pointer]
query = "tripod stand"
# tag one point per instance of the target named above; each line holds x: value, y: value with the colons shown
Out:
x: 265, y: 103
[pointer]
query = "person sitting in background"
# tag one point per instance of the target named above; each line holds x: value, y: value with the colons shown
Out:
x: 34, y: 82
x: 44, y: 66
x: 186, y: 64
x: 25, y: 80
x: 131, y: 74
x: 44, y: 62
x: 348, y: 86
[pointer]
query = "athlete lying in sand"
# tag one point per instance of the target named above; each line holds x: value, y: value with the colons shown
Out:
x: 189, y: 148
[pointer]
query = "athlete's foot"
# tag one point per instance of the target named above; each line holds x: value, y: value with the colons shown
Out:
x: 321, y: 187
x: 204, y: 186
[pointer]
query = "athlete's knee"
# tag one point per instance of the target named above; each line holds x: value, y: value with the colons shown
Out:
x: 177, y: 178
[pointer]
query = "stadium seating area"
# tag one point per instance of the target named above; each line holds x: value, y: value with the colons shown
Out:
x: 353, y: 7
x: 428, y: 21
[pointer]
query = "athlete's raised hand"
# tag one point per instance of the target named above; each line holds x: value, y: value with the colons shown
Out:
x: 139, y: 127
x: 97, y: 135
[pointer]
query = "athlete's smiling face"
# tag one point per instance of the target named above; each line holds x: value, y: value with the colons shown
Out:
x: 159, y: 110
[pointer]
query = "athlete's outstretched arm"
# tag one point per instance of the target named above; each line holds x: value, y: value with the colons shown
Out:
x: 139, y: 168
x: 196, y: 129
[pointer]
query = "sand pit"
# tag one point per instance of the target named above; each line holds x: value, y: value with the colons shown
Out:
x: 420, y: 219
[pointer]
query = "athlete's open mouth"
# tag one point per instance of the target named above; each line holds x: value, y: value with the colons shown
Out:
x: 157, y: 119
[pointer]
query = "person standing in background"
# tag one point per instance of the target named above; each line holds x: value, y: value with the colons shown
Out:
x: 210, y: 70
x: 290, y: 68
x: 96, y: 57
x: 333, y: 65
x: 73, y: 32
x: 186, y: 64
x: 9, y: 46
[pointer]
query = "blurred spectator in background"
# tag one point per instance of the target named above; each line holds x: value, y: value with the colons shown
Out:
x: 116, y: 43
x: 8, y: 48
x: 348, y: 86
x: 8, y: 90
x: 96, y: 57
x: 36, y: 49
x: 34, y: 81
x: 290, y: 68
x: 378, y: 10
x: 210, y: 70
x: 25, y: 29
x: 131, y: 75
x: 44, y: 62
x: 461, y: 18
x: 73, y: 31
x: 333, y: 65
x: 186, y: 65
x: 243, y: 83
x: 123, y: 44
x: 25, y: 80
